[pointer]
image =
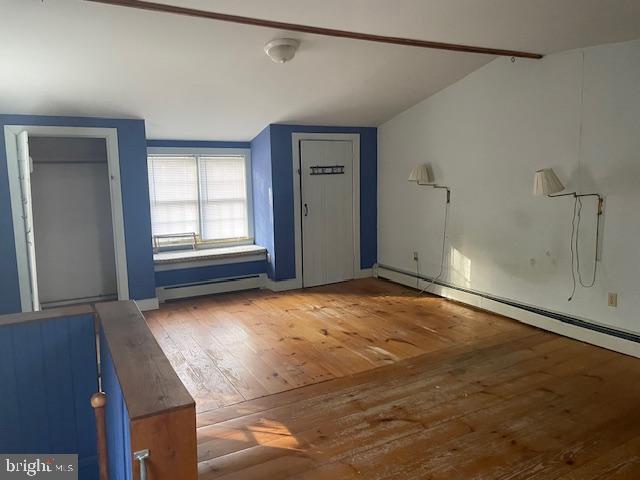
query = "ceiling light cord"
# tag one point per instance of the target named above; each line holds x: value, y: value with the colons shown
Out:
x: 444, y: 242
x: 576, y: 271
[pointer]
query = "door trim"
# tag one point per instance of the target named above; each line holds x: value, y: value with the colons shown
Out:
x: 354, y: 138
x: 110, y: 135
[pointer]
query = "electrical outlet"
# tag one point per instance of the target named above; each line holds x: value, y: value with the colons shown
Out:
x: 415, y: 256
x: 612, y: 300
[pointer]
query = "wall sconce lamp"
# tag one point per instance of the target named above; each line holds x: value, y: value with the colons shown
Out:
x: 546, y: 182
x: 423, y: 175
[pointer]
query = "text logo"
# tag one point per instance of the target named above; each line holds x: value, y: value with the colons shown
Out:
x: 46, y: 467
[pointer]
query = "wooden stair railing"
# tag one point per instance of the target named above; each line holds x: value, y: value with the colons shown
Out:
x: 98, y: 402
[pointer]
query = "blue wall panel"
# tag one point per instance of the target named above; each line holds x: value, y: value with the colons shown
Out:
x: 204, y: 274
x: 117, y: 418
x: 48, y: 373
x: 262, y: 194
x: 135, y: 198
x: 282, y: 181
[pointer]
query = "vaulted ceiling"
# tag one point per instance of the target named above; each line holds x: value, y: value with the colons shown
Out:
x: 199, y: 79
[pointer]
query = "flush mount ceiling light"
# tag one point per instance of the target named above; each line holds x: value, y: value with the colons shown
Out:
x: 281, y: 50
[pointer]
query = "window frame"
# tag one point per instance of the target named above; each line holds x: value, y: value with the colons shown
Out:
x: 211, y: 152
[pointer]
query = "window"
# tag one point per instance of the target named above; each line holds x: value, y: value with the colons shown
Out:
x: 199, y: 200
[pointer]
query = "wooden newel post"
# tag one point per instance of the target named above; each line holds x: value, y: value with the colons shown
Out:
x: 98, y: 401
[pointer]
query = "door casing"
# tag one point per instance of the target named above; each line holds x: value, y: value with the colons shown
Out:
x: 117, y: 215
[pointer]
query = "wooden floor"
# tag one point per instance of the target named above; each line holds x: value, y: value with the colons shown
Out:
x: 368, y: 380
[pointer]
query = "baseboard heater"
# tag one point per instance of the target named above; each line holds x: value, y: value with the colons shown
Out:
x: 577, y: 322
x: 218, y: 285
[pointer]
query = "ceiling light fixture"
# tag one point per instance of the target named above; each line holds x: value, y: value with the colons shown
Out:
x: 281, y: 50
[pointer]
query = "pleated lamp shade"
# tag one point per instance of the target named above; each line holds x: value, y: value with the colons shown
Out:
x: 422, y: 175
x: 546, y: 182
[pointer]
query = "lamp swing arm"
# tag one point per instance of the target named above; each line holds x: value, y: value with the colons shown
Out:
x: 447, y: 189
x: 579, y: 195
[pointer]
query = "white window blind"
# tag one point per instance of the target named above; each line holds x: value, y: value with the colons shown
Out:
x: 203, y: 194
x: 223, y: 198
x: 173, y: 193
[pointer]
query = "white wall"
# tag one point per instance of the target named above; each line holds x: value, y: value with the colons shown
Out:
x: 72, y: 219
x: 485, y: 136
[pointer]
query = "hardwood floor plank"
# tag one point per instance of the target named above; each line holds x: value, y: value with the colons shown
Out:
x: 210, y: 379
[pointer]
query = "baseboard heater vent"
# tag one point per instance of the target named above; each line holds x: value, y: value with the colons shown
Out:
x: 539, y: 311
x: 209, y: 287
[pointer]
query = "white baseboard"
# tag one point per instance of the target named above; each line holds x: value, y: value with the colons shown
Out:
x: 282, y: 285
x: 294, y: 283
x: 147, y: 304
x: 364, y: 273
x: 223, y: 285
x: 599, y: 339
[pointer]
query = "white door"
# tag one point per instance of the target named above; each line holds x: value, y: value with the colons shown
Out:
x: 327, y: 211
x: 24, y: 169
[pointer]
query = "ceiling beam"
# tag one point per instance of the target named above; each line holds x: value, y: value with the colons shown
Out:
x: 294, y: 27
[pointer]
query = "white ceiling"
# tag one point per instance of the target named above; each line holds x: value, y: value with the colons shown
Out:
x: 199, y: 79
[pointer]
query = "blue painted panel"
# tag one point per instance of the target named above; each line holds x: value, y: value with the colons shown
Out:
x: 132, y: 150
x: 48, y: 374
x: 282, y: 179
x: 30, y: 380
x: 59, y: 385
x: 117, y: 418
x: 204, y: 274
x: 10, y: 437
x: 262, y: 185
x: 197, y: 144
x: 85, y: 373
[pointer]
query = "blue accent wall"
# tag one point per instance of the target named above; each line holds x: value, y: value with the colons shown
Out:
x: 183, y: 276
x: 48, y: 373
x: 116, y: 418
x: 261, y: 179
x: 283, y: 259
x: 135, y: 198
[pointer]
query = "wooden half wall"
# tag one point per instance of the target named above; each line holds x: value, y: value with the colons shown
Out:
x: 148, y: 407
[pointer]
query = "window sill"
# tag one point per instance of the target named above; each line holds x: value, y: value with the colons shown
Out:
x: 208, y: 256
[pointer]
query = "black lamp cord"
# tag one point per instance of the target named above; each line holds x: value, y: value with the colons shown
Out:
x: 575, y: 235
x: 444, y: 240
